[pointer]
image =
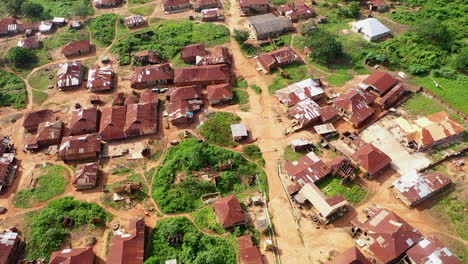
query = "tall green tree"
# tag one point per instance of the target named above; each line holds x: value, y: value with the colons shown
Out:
x: 241, y: 35
x: 21, y: 57
x: 13, y: 7
x: 80, y: 10
x: 325, y: 47
x: 32, y: 10
x: 435, y: 32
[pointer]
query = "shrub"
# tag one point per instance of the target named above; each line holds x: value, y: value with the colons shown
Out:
x: 444, y: 73
x: 21, y: 57
x: 254, y: 153
x: 12, y: 90
x: 32, y: 10
x: 241, y: 35
x: 325, y: 46
x: 102, y: 28
x: 256, y: 88
x: 217, y: 130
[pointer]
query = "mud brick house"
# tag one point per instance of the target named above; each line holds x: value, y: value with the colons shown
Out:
x: 249, y: 253
x: 76, y: 48
x: 48, y: 134
x: 135, y: 21
x: 211, y: 15
x: 371, y: 160
x: 141, y: 119
x: 8, y: 163
x: 150, y: 76
x: 34, y: 118
x: 80, y: 147
x: 70, y: 75
x: 189, y: 53
x: 296, y: 11
x: 327, y: 208
x: 392, y: 97
x: 277, y: 58
x: 269, y: 26
x: 206, y: 4
x: 430, y: 250
x: 112, y: 123
x: 414, y: 187
x: 86, y: 176
x: 219, y: 94
x: 355, y: 106
x: 107, y: 3
x: 100, y: 79
x: 252, y: 7
x: 148, y: 56
x: 427, y: 132
x: 128, y: 247
x: 202, y: 75
x: 84, y: 121
x: 308, y: 169
x: 384, y: 234
x: 229, y: 212
x: 220, y: 55
x: 172, y: 6
x: 180, y: 112
x: 380, y: 82
x: 304, y: 113
x: 350, y: 256
x: 9, y: 247
x: 33, y: 42
x: 305, y: 89
x: 73, y: 256
x: 186, y: 93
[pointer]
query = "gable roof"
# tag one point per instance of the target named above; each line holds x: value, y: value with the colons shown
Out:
x: 356, y: 103
x: 49, y: 131
x: 381, y: 81
x: 326, y: 206
x: 153, y: 73
x: 248, y: 3
x: 100, y: 79
x: 73, y: 256
x: 8, y: 245
x: 112, y: 122
x: 86, y: 174
x: 129, y: 247
x: 185, y: 93
x: 220, y: 55
x: 193, y: 50
x: 73, y: 47
x: 299, y: 91
x: 219, y: 92
x: 371, y: 27
x: 350, y: 256
x: 431, y: 251
x: 180, y: 109
x: 229, y: 211
x: 34, y: 118
x: 148, y: 96
x: 371, y: 158
x: 278, y: 57
x: 70, y: 74
x: 83, y: 120
x: 141, y: 119
x: 249, y: 253
x: 268, y: 23
x: 305, y: 112
x: 307, y: 169
x: 207, y: 73
x: 80, y: 145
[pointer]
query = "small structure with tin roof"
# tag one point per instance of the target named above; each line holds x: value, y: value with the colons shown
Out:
x: 80, y: 147
x: 379, y: 5
x: 148, y: 56
x: 220, y: 55
x: 181, y: 112
x: 189, y: 53
x: 86, y: 176
x: 70, y: 75
x: 76, y: 48
x: 84, y: 121
x: 355, y: 107
x: 431, y: 251
x: 202, y: 75
x: 325, y: 129
x: 100, y: 79
x: 112, y: 122
x: 48, y: 134
x: 220, y: 93
x: 9, y: 247
x: 329, y: 114
x: 393, y: 96
x: 249, y: 253
x: 307, y: 169
x: 268, y: 25
x: 229, y: 212
x: 381, y: 82
x: 33, y: 42
x: 304, y: 113
x: 350, y: 256
x: 141, y: 119
x: 211, y: 15
x: 72, y: 256
x: 206, y: 4
x: 252, y: 7
x: 277, y: 58
x: 172, y: 6
x: 371, y: 160
x: 239, y: 132
x: 154, y: 75
x: 299, y: 91
x: 371, y: 29
x: 414, y: 187
x: 128, y: 247
x: 34, y: 118
x: 135, y: 21
x: 186, y: 93
x: 296, y: 11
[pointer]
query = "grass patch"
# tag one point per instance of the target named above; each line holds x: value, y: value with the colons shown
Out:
x: 63, y: 8
x: 339, y: 80
x: 352, y: 192
x: 143, y: 10
x: 291, y: 155
x: 102, y: 29
x: 206, y: 220
x: 138, y: 196
x: 421, y: 105
x: 12, y: 90
x: 150, y: 174
x: 439, y: 152
x: 241, y: 96
x: 138, y: 2
x: 254, y: 153
x: 121, y: 171
x: 256, y: 88
x: 51, y: 183
x: 452, y: 207
x: 40, y: 80
x: 217, y: 129
x: 298, y: 42
x: 39, y: 97
x: 297, y: 72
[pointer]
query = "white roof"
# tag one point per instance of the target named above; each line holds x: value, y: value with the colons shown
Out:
x: 239, y: 130
x: 371, y: 27
x: 316, y: 197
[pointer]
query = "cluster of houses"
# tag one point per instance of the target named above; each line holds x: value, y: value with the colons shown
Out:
x: 126, y: 246
x: 8, y: 163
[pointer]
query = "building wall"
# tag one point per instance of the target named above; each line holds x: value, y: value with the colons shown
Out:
x: 176, y: 7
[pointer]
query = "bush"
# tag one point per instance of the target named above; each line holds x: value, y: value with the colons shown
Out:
x: 241, y: 35
x: 325, y: 46
x: 21, y: 57
x: 254, y: 153
x: 32, y: 10
x: 205, y: 219
x: 102, y: 28
x: 12, y: 90
x: 444, y: 73
x: 217, y: 129
x: 256, y: 88
x: 46, y: 230
x: 460, y: 61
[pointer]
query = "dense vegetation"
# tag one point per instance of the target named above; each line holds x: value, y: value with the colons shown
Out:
x: 194, y: 247
x: 169, y: 38
x: 46, y: 232
x: 217, y: 129
x: 102, y: 28
x: 253, y: 152
x: 51, y: 183
x: 206, y: 220
x: 21, y: 57
x: 12, y: 90
x: 47, y: 9
x: 324, y: 45
x: 175, y: 187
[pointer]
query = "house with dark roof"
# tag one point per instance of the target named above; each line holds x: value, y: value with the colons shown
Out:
x: 329, y: 114
x: 296, y: 11
x: 229, y: 212
x: 48, y: 134
x: 135, y: 21
x: 253, y: 7
x: 70, y: 75
x: 107, y: 3
x: 153, y: 75
x: 277, y: 58
x: 180, y: 112
x: 148, y: 96
x: 219, y: 55
x: 84, y: 121
x: 172, y: 6
x: 100, y: 79
x: 141, y: 119
x: 34, y: 118
x: 269, y: 26
x: 148, y: 56
x: 206, y: 4
x: 202, y: 75
x: 186, y: 93
x: 112, y: 122
x: 379, y: 5
x: 211, y: 15
x: 9, y: 247
x: 355, y: 106
x: 72, y: 256
x: 8, y: 168
x: 249, y: 253
x: 384, y: 234
x: 33, y: 42
x: 189, y: 53
x: 415, y: 187
x: 80, y: 147
x: 129, y: 247
x: 76, y: 48
x: 393, y: 96
x: 86, y: 176
x: 219, y: 93
x: 307, y: 169
x: 431, y: 251
x: 350, y: 256
x: 371, y: 160
x: 380, y: 82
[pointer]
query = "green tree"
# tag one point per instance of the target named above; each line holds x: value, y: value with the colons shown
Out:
x: 241, y: 35
x: 32, y: 9
x: 354, y: 10
x: 460, y: 61
x: 325, y: 47
x: 21, y: 57
x: 435, y: 32
x: 13, y: 7
x: 80, y: 10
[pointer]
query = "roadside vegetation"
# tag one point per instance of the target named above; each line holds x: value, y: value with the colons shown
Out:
x: 52, y: 182
x: 45, y: 231
x: 177, y: 188
x: 142, y: 10
x: 217, y: 129
x: 291, y: 155
x: 138, y: 2
x: 205, y: 218
x: 102, y: 29
x: 47, y: 9
x: 136, y: 196
x: 297, y: 72
x: 12, y: 90
x: 193, y: 247
x: 332, y: 186
x: 254, y: 153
